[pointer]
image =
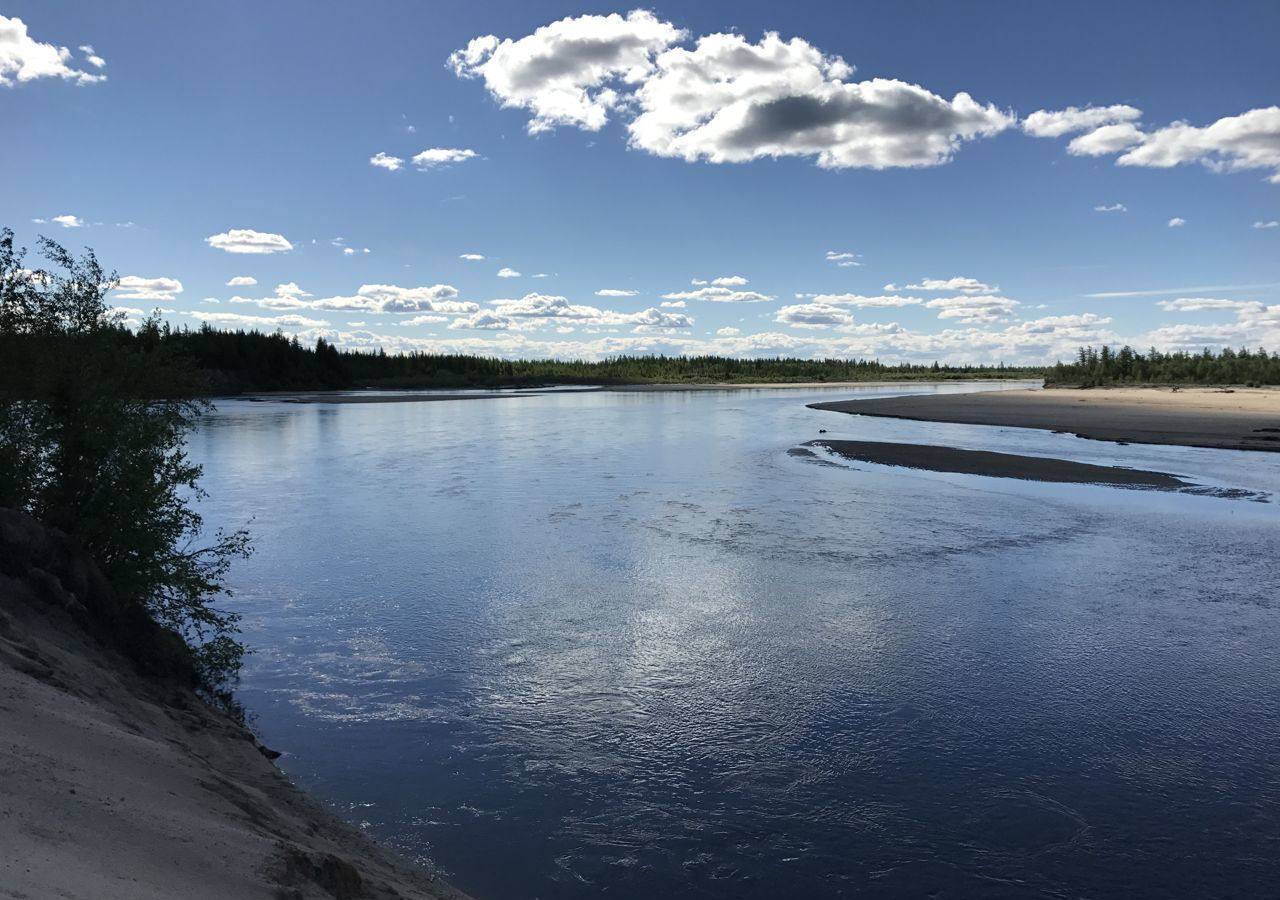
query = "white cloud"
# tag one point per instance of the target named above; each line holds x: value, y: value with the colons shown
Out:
x: 959, y: 283
x: 729, y: 100
x: 535, y: 310
x: 1044, y: 123
x: 843, y: 259
x: 718, y: 295
x: 727, y: 332
x: 242, y: 281
x: 1272, y: 224
x: 507, y: 272
x: 673, y: 304
x: 472, y: 257
x: 1202, y: 304
x: 246, y: 240
x: 973, y: 308
x: 23, y: 59
x: 68, y: 221
x: 134, y: 287
x: 1177, y: 222
x: 812, y: 315
x: 614, y: 292
x: 1105, y: 140
x: 384, y: 161
x: 370, y: 298
x: 1184, y: 290
x: 723, y: 100
x: 729, y: 281
x: 441, y: 156
x: 1114, y: 207
x: 568, y: 72
x: 236, y: 320
x: 91, y: 57
x: 1250, y: 140
x: 422, y: 320
x: 352, y: 251
x: 863, y: 302
x: 213, y: 300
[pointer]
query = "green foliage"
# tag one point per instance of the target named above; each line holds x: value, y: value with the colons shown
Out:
x: 237, y: 361
x: 93, y: 425
x: 1093, y: 368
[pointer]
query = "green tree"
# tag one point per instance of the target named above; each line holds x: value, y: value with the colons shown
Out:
x: 93, y: 427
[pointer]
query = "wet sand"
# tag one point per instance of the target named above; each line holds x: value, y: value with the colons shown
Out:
x: 1235, y: 419
x: 998, y: 465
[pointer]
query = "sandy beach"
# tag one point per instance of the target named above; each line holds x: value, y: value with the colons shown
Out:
x: 1235, y: 419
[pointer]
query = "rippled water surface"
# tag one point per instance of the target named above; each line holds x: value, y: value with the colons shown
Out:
x: 624, y: 644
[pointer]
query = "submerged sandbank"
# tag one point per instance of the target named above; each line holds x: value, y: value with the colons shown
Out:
x: 1220, y: 418
x: 999, y: 465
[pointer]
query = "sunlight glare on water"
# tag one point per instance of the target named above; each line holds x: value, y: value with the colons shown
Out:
x: 625, y: 642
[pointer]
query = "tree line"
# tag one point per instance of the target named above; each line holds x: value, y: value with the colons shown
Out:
x: 1105, y: 366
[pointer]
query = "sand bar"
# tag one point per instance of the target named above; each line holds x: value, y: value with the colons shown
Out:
x: 998, y: 465
x: 1236, y: 419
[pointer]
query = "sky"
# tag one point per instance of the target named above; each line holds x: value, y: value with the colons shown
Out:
x: 908, y: 181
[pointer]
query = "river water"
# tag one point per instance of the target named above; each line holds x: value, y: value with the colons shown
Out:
x: 624, y: 644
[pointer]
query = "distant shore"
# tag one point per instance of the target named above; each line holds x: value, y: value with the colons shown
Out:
x: 426, y: 396
x: 1214, y: 417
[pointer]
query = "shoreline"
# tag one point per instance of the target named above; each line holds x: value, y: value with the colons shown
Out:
x: 1216, y: 418
x: 120, y: 787
x: 427, y: 395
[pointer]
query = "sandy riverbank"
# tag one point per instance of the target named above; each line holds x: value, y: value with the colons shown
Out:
x: 115, y: 788
x: 1237, y: 419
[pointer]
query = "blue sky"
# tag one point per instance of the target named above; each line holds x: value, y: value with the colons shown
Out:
x: 644, y: 151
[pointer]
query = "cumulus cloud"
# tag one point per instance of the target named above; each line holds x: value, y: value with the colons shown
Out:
x: 865, y: 302
x: 1203, y: 304
x: 66, y: 221
x: 23, y: 58
x: 441, y: 156
x: 729, y: 281
x: 1250, y: 140
x: 134, y: 287
x: 352, y: 251
x: 973, y: 308
x: 812, y: 315
x: 959, y: 283
x: 843, y: 259
x: 1106, y: 140
x: 91, y: 56
x: 614, y: 292
x: 507, y: 272
x: 1177, y: 222
x: 242, y: 281
x: 673, y: 304
x: 370, y: 298
x: 724, y: 99
x: 535, y: 310
x: 236, y: 320
x: 385, y: 161
x: 1046, y: 123
x: 571, y: 72
x: 1114, y: 207
x: 718, y: 294
x: 246, y: 240
x: 728, y: 331
x: 472, y: 257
